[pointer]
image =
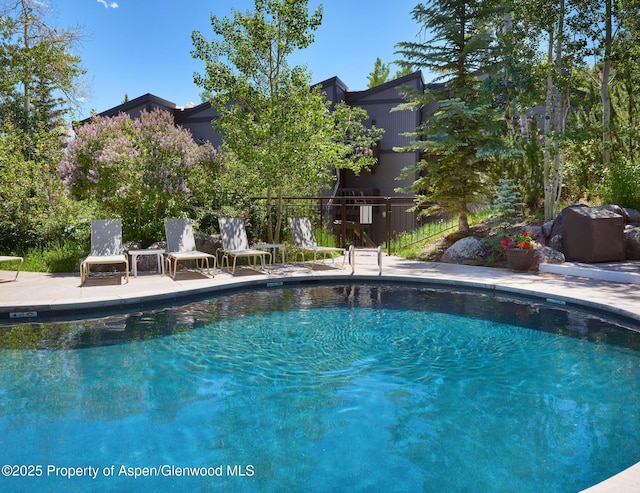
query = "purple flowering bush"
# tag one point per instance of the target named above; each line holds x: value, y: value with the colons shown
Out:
x: 137, y: 170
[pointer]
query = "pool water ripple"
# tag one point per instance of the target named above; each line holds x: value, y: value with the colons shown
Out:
x: 334, y: 388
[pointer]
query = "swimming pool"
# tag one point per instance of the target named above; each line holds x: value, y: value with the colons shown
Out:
x: 322, y: 388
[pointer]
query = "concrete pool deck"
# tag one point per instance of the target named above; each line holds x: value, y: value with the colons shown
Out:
x: 611, y: 288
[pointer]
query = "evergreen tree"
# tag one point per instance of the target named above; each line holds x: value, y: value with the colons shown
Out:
x: 461, y: 140
x: 507, y: 205
x: 39, y: 77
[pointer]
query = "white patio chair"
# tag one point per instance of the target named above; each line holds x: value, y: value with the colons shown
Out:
x: 305, y: 241
x: 106, y: 247
x: 181, y: 245
x: 236, y: 245
x: 8, y: 258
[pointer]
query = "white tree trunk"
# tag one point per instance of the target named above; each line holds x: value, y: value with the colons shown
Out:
x: 605, y: 95
x: 548, y: 131
x: 557, y: 106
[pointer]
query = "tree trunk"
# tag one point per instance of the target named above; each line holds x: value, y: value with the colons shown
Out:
x: 630, y: 91
x: 463, y: 221
x: 557, y: 105
x: 605, y: 96
x: 27, y: 72
x: 561, y: 108
x: 548, y: 128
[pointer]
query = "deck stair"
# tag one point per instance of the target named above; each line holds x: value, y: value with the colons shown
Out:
x: 364, y: 238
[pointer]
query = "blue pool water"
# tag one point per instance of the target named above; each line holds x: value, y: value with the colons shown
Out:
x: 323, y: 388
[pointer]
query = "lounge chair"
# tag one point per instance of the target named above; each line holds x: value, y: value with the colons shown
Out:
x: 106, y: 247
x: 304, y: 239
x: 236, y: 245
x: 5, y: 258
x: 181, y: 245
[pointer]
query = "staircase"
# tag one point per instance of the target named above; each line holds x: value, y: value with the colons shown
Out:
x: 362, y: 236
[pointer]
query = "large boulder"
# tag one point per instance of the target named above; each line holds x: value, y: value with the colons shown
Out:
x: 553, y: 230
x: 469, y: 250
x: 547, y: 255
x: 207, y: 243
x: 632, y: 243
x: 632, y: 216
x: 616, y: 209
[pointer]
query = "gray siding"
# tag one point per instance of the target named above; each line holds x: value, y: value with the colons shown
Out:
x: 382, y: 179
x: 379, y: 102
x: 394, y: 123
x: 333, y: 89
x: 198, y: 121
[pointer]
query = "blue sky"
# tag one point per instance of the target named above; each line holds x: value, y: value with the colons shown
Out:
x: 135, y: 47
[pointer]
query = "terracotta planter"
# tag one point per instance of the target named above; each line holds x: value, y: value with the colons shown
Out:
x: 520, y: 259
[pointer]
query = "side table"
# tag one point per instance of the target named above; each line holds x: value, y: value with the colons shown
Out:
x: 273, y: 247
x: 136, y: 253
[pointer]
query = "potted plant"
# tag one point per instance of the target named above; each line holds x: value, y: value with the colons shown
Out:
x: 520, y: 250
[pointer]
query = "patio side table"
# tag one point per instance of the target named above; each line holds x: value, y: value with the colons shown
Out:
x: 273, y: 247
x: 136, y: 253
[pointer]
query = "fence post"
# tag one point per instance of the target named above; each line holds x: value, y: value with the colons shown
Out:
x: 343, y: 223
x: 388, y: 223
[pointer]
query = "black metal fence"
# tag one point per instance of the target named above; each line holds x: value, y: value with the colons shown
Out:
x: 367, y: 221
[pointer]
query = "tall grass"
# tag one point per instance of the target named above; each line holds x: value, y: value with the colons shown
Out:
x: 63, y: 257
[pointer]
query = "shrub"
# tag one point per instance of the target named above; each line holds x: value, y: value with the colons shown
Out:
x: 137, y: 169
x: 61, y: 257
x: 35, y: 209
x: 622, y: 184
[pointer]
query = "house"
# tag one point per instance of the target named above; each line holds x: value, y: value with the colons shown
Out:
x: 377, y: 101
x: 380, y: 181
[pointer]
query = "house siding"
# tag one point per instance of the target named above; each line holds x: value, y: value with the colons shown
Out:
x: 379, y: 102
x: 198, y: 121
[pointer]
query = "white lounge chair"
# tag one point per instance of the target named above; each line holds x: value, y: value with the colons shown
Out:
x: 7, y: 258
x: 304, y: 239
x: 236, y: 245
x: 181, y: 245
x: 106, y: 247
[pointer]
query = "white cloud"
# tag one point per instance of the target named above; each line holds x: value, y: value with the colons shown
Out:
x: 112, y: 5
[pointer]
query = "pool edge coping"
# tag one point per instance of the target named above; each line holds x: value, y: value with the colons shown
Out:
x: 79, y: 308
